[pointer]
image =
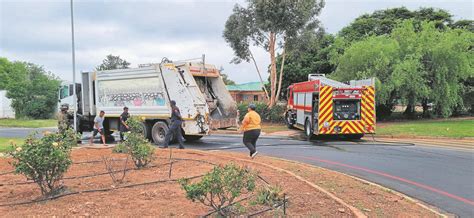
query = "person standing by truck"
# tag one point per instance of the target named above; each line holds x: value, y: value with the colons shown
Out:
x: 123, y: 122
x: 64, y: 118
x: 251, y: 128
x: 175, y: 126
x: 99, y: 128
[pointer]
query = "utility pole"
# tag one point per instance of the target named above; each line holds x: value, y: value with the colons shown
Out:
x: 73, y: 69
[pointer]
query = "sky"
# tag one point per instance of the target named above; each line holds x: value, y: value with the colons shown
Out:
x: 145, y: 31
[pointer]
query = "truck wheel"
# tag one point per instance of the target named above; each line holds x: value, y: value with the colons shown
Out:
x: 289, y: 122
x: 308, y: 130
x: 145, y: 129
x: 158, y: 132
x: 192, y: 138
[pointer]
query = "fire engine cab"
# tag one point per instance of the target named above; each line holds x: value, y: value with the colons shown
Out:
x: 321, y: 106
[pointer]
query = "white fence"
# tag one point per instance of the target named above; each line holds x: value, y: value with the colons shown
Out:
x: 6, y: 111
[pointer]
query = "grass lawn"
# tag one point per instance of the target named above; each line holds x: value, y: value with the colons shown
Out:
x: 5, y: 143
x: 431, y: 128
x: 28, y: 123
x: 273, y: 127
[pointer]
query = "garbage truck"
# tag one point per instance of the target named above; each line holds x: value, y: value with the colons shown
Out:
x: 198, y: 89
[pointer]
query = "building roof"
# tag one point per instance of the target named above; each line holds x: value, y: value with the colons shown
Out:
x: 251, y: 86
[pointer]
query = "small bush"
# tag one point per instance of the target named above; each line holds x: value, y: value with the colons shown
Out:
x: 45, y: 160
x: 220, y: 187
x: 135, y: 124
x: 120, y: 148
x: 269, y: 196
x: 140, y: 149
x: 274, y: 114
x: 136, y: 144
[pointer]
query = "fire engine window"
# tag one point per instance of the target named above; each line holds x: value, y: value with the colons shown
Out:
x: 347, y: 109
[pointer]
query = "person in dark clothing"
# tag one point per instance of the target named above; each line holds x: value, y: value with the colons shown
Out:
x: 123, y: 122
x: 175, y: 126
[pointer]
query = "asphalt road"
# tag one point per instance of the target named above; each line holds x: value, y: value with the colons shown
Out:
x: 441, y: 177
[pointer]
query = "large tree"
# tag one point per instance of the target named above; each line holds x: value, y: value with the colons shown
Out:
x: 112, y: 62
x: 416, y: 63
x: 308, y: 54
x: 32, y: 89
x: 271, y: 25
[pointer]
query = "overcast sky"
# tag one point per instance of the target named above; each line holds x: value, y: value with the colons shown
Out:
x: 142, y: 31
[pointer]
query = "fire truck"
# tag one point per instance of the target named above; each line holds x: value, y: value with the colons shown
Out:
x: 321, y: 106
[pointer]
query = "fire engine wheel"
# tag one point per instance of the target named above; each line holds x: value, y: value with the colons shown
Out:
x: 308, y: 130
x: 158, y: 132
x: 289, y: 122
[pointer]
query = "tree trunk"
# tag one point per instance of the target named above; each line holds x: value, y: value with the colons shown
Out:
x: 260, y: 75
x: 271, y: 48
x: 281, y: 72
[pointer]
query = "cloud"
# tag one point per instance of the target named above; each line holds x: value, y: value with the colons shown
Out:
x: 144, y: 31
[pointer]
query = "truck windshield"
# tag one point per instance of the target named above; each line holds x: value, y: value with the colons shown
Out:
x: 347, y: 109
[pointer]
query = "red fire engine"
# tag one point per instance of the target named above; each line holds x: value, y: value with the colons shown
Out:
x: 321, y: 106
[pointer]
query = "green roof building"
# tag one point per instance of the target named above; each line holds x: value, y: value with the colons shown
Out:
x: 247, y: 92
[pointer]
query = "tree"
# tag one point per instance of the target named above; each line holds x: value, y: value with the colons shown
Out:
x: 416, y: 63
x: 271, y: 25
x: 33, y: 90
x: 112, y: 62
x: 382, y: 22
x: 463, y: 24
x: 307, y: 55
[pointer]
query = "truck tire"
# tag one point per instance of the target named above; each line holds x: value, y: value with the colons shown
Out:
x: 192, y: 138
x: 158, y: 132
x: 145, y: 129
x: 308, y: 130
x: 289, y: 121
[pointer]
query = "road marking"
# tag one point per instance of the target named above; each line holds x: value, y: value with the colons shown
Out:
x: 427, y: 187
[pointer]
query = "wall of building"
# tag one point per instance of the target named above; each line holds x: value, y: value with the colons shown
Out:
x: 248, y: 96
x: 6, y: 111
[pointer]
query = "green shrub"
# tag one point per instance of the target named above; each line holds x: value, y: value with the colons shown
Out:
x: 45, y: 160
x: 220, y: 187
x: 139, y: 148
x: 274, y: 114
x: 135, y: 124
x: 120, y: 148
x: 136, y: 144
x: 269, y: 196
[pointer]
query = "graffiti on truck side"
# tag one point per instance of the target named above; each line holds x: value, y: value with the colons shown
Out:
x: 145, y: 92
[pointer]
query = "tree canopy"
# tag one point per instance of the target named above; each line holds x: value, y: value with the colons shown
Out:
x: 32, y: 89
x: 416, y: 63
x: 269, y: 25
x: 112, y: 62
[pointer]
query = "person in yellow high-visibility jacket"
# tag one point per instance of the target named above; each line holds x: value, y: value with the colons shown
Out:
x: 251, y: 128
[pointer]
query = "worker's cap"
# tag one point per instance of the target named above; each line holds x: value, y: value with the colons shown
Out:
x: 64, y: 106
x: 252, y: 106
x: 125, y: 108
x: 172, y: 102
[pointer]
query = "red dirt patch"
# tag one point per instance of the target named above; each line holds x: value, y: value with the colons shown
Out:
x: 167, y: 198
